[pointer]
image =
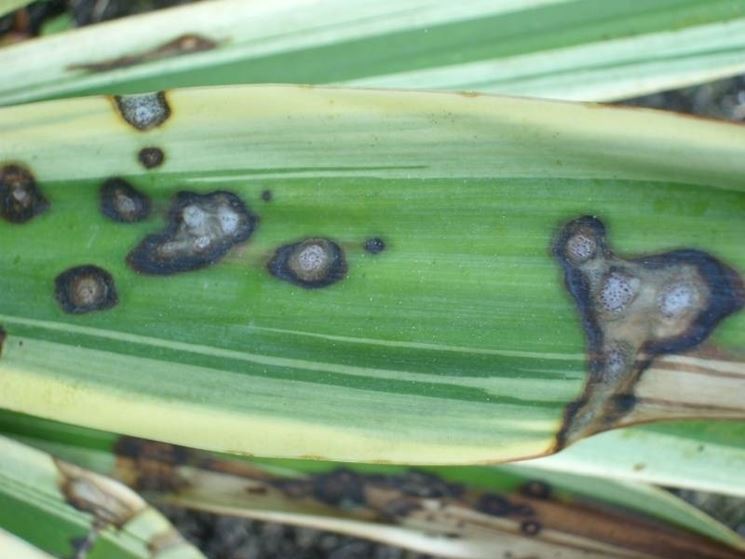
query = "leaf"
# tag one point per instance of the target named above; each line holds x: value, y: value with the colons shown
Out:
x: 12, y: 546
x: 705, y: 456
x: 63, y: 510
x: 458, y: 343
x: 464, y: 512
x: 568, y: 49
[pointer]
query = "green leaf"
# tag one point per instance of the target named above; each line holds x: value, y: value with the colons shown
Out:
x: 568, y: 49
x: 11, y: 546
x: 458, y: 343
x: 61, y: 508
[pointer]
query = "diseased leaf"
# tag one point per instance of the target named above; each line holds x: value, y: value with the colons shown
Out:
x: 567, y: 49
x: 251, y: 315
x: 67, y: 511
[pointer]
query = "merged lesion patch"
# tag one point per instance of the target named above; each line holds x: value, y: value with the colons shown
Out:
x: 634, y: 310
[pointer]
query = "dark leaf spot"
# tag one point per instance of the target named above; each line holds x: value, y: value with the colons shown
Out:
x: 184, y: 44
x: 20, y: 197
x: 341, y: 487
x: 632, y: 311
x: 85, y: 289
x: 266, y: 195
x: 530, y: 527
x: 494, y: 505
x: 151, y: 157
x: 121, y: 202
x: 202, y: 229
x: 312, y: 263
x: 536, y: 489
x: 374, y: 245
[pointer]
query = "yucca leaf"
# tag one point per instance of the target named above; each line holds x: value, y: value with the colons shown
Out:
x: 571, y: 49
x: 12, y: 546
x: 65, y: 510
x: 484, y: 511
x: 457, y: 343
x: 705, y: 456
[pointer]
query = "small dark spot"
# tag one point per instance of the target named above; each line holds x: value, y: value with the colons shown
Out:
x: 256, y: 490
x: 374, y: 245
x: 638, y: 467
x: 536, y: 489
x: 494, y: 505
x: 294, y: 488
x: 621, y: 404
x: 85, y: 289
x: 267, y: 195
x: 3, y: 335
x: 312, y: 263
x: 700, y: 448
x: 341, y: 487
x: 20, y: 197
x: 121, y: 202
x: 83, y: 545
x: 151, y: 157
x: 202, y: 229
x: 417, y: 483
x: 530, y: 527
x: 144, y: 111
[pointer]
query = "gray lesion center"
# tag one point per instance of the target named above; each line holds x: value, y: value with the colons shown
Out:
x: 634, y: 310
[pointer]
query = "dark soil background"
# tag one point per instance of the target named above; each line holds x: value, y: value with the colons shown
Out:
x: 223, y: 537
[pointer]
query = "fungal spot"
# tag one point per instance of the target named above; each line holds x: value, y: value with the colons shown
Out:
x: 341, y: 487
x: 109, y: 503
x: 580, y: 247
x: 617, y: 291
x: 85, y: 289
x: 20, y: 197
x: 536, y: 489
x: 312, y: 263
x: 294, y: 488
x: 374, y: 245
x: 617, y: 359
x: 151, y: 157
x: 494, y: 505
x: 121, y: 202
x: 266, y: 195
x: 415, y: 483
x: 634, y: 310
x: 3, y: 335
x: 530, y: 527
x: 202, y: 229
x: 678, y: 299
x: 184, y: 44
x: 144, y: 111
x: 83, y: 545
x: 151, y: 465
